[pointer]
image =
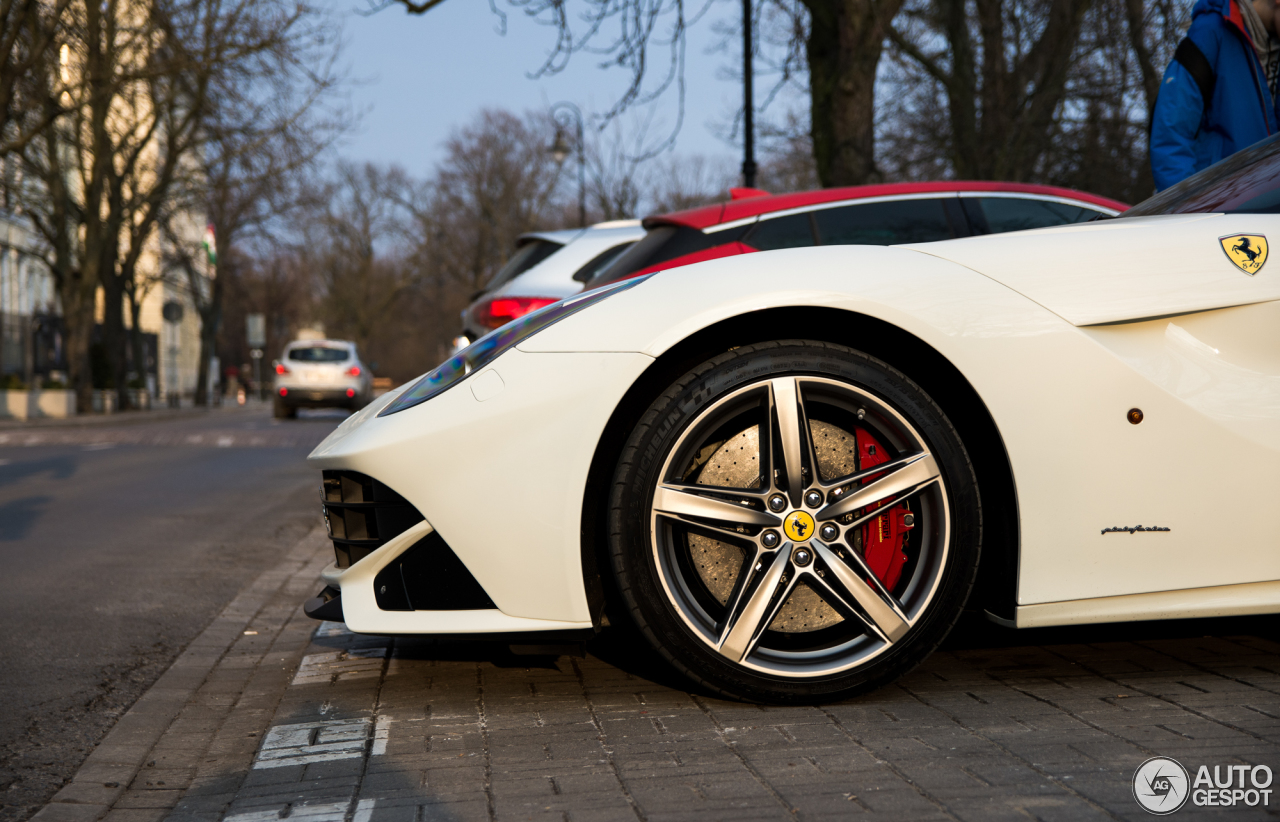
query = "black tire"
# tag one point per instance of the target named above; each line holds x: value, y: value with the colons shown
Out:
x: 670, y: 581
x: 284, y: 412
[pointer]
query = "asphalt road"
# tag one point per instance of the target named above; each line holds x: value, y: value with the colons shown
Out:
x: 119, y: 542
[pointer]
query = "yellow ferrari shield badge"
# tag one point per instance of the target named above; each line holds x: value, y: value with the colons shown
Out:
x: 798, y: 526
x: 1247, y: 251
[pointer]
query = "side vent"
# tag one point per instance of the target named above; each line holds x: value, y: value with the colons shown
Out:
x: 362, y: 514
x: 429, y: 577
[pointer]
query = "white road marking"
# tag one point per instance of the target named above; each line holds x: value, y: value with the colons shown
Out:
x: 319, y: 812
x: 4, y: 462
x: 381, y: 733
x: 309, y: 742
x: 329, y: 812
x: 225, y: 442
x: 364, y: 810
x: 99, y: 446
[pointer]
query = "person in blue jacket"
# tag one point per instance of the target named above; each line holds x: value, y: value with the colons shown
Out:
x: 1219, y: 93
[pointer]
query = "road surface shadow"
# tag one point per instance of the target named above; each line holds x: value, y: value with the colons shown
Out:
x: 19, y: 515
x: 59, y: 467
x: 975, y: 632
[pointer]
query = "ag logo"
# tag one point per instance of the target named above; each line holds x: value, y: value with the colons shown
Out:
x: 1247, y: 251
x: 1161, y: 785
x: 799, y: 526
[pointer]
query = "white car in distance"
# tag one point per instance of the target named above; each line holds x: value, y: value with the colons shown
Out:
x: 547, y: 267
x: 320, y: 374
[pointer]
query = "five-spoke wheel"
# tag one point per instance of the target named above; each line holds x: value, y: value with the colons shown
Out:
x: 794, y: 520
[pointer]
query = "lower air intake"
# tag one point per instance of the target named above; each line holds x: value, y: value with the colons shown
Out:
x: 362, y: 514
x: 429, y: 577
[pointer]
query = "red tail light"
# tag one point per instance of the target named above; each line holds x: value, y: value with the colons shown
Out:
x: 351, y: 392
x: 499, y: 311
x: 281, y: 368
x: 353, y: 371
x: 284, y: 392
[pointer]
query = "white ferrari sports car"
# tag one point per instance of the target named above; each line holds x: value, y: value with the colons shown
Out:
x: 791, y: 470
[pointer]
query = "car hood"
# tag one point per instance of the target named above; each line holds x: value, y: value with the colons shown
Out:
x: 1123, y: 269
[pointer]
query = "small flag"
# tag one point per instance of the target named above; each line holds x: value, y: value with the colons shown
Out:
x: 210, y: 244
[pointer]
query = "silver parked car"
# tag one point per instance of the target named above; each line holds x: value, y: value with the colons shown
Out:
x: 320, y: 374
x: 547, y: 267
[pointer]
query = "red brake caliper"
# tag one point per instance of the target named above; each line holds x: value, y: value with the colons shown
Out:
x: 884, y: 536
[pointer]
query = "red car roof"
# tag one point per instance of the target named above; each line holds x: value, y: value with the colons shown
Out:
x: 712, y: 215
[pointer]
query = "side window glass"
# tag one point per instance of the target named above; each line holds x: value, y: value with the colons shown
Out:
x: 1016, y: 213
x: 890, y: 223
x: 792, y: 231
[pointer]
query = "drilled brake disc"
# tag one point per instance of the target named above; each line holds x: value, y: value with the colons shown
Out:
x: 736, y: 464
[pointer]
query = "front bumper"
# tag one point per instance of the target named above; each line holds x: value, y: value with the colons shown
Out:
x: 497, y: 465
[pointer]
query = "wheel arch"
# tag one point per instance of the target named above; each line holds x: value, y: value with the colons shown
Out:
x: 996, y: 588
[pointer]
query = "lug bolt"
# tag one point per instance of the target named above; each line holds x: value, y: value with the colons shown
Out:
x: 777, y: 502
x: 813, y: 498
x: 829, y: 532
x: 801, y: 557
x: 770, y: 539
x: 908, y: 520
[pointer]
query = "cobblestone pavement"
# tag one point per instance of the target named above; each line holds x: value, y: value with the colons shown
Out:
x: 299, y: 720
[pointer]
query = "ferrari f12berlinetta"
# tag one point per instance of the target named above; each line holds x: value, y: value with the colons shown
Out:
x: 792, y: 470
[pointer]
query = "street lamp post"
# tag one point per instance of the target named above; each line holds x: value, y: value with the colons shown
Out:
x: 567, y: 114
x: 748, y: 108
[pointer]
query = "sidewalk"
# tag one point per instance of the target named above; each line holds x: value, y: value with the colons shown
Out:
x: 269, y: 715
x: 158, y: 414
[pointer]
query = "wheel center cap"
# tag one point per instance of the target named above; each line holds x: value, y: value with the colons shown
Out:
x: 798, y: 526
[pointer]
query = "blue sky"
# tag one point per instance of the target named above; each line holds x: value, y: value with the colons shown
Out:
x: 425, y: 75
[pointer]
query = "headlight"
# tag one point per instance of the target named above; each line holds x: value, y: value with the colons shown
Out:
x: 486, y: 349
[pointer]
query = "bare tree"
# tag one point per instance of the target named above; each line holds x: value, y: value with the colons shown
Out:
x: 677, y: 183
x: 1032, y: 90
x: 29, y: 31
x: 122, y: 138
x: 497, y: 181
x: 272, y: 114
x: 787, y: 162
x: 838, y: 43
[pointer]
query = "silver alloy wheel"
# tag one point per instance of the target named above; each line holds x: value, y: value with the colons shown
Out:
x: 841, y: 615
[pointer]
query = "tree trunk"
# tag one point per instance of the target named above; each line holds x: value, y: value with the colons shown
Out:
x: 846, y: 38
x: 77, y: 314
x: 211, y: 320
x: 135, y: 337
x: 114, y: 341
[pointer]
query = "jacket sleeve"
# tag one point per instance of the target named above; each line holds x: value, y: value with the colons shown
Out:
x: 1175, y: 122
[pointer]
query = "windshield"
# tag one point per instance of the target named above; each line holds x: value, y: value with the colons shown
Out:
x: 525, y: 258
x: 1247, y: 182
x: 318, y: 353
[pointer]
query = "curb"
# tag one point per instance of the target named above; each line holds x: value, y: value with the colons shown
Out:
x: 116, y: 762
x: 124, y: 418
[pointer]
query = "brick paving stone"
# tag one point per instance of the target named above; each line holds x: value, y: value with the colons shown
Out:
x: 444, y: 729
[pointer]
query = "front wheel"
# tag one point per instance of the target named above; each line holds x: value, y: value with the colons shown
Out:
x: 794, y: 521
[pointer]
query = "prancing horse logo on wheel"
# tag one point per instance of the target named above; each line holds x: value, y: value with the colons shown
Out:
x: 798, y: 525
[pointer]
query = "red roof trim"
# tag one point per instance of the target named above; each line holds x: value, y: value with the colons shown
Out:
x: 713, y: 215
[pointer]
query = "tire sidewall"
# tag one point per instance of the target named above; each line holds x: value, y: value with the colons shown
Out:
x: 660, y: 429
